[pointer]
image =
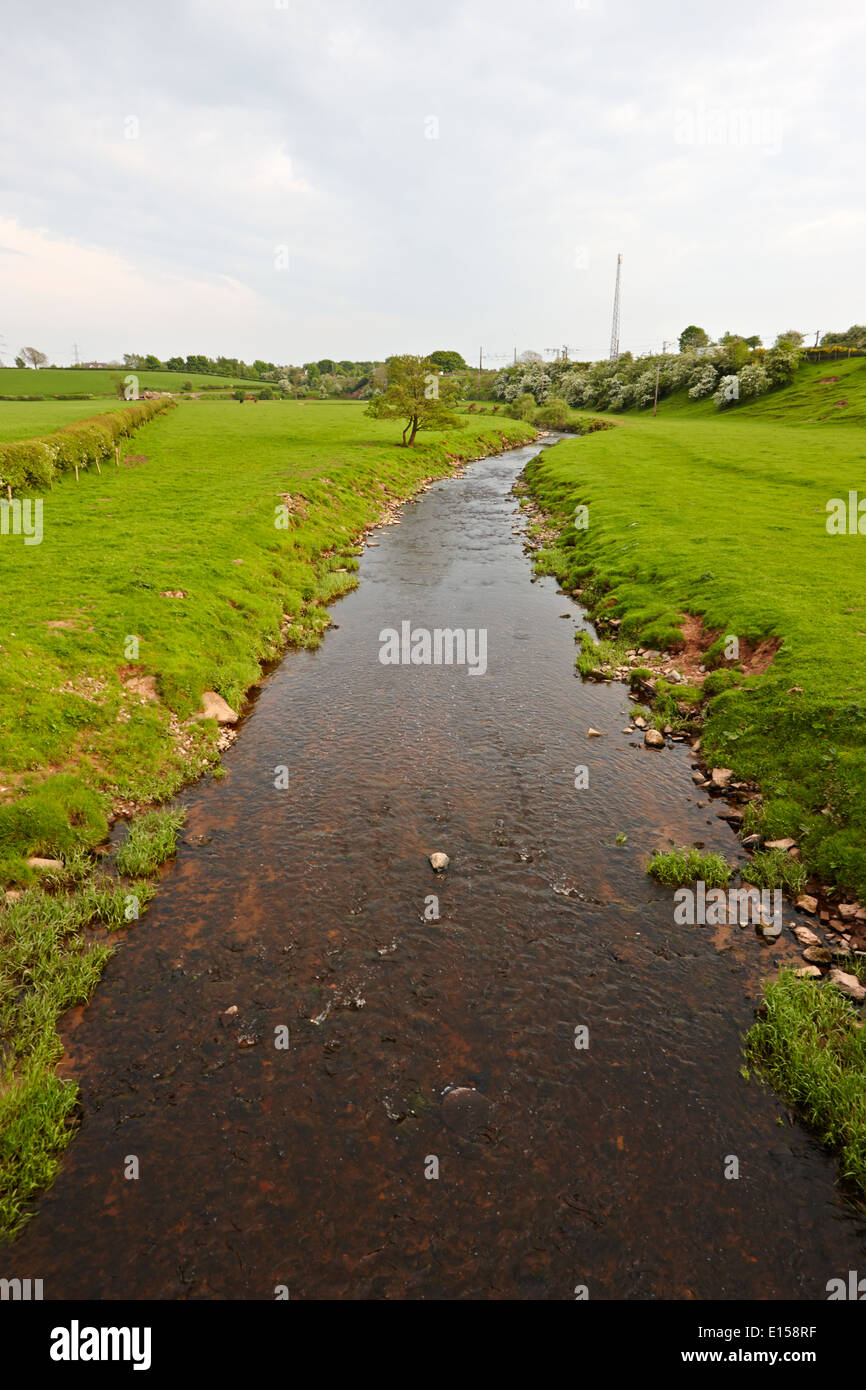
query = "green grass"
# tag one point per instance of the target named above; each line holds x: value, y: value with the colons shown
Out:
x: 150, y: 841
x: 29, y: 419
x: 806, y: 1046
x: 723, y: 516
x: 774, y: 868
x: 676, y: 867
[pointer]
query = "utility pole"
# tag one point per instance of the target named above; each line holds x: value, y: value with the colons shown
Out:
x: 614, y: 329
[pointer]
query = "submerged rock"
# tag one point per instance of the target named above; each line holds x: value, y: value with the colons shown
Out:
x: 464, y: 1109
x: 817, y: 955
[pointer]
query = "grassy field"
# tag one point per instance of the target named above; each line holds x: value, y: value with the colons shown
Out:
x: 30, y: 419
x: 95, y: 381
x: 178, y: 549
x: 723, y: 516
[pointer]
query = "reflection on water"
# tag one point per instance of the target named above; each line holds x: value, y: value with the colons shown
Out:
x: 308, y: 912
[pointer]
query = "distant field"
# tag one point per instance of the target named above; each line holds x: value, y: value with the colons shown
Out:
x: 723, y: 515
x: 27, y: 419
x: 68, y: 381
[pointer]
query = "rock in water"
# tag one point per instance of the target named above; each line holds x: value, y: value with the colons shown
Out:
x: 439, y: 862
x: 464, y: 1109
x: 653, y: 739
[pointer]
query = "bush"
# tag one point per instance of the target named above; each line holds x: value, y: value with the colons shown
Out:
x: 703, y: 383
x: 553, y: 414
x: 522, y: 407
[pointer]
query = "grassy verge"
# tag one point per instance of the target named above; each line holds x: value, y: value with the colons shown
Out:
x: 806, y: 1043
x: 724, y: 518
x: 155, y: 583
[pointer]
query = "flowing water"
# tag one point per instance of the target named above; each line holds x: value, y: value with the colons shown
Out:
x: 307, y: 908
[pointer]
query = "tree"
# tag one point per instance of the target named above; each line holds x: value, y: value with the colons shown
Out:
x: 417, y: 394
x: 19, y: 362
x: 448, y: 361
x: 530, y: 356
x: 753, y: 342
x: 790, y: 338
x: 693, y: 337
x: 854, y: 337
x: 33, y: 357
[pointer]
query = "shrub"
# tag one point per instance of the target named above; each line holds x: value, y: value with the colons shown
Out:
x: 703, y: 382
x: 553, y: 414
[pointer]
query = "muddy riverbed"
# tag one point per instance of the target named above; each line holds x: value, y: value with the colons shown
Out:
x: 306, y: 907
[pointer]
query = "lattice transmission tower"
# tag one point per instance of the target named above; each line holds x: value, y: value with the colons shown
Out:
x: 614, y: 330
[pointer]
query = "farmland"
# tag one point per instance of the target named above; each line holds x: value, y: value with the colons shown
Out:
x: 98, y: 381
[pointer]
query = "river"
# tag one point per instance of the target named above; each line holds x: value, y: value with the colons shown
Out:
x: 306, y: 907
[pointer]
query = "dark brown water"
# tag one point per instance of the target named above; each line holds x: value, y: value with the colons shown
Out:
x: 305, y: 1167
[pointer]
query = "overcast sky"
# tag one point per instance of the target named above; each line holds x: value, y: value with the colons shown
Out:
x: 352, y: 178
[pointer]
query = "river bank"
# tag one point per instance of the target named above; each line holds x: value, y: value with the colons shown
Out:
x: 704, y: 687
x: 125, y: 671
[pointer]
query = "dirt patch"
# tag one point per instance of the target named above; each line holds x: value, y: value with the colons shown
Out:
x: 825, y: 380
x: 296, y: 506
x: 755, y: 658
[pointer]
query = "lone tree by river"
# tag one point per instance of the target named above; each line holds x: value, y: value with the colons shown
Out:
x: 417, y: 394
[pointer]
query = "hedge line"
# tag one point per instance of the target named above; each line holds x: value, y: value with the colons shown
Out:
x: 35, y: 463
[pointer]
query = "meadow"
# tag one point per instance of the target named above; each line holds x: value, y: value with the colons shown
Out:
x: 30, y: 419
